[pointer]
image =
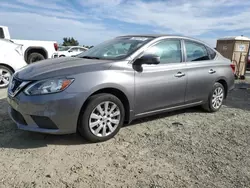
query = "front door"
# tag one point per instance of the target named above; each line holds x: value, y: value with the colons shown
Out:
x: 161, y: 86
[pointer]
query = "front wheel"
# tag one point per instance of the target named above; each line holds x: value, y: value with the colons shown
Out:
x: 102, y: 118
x: 5, y: 76
x: 215, y: 98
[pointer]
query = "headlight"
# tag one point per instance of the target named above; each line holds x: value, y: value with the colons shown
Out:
x: 48, y: 86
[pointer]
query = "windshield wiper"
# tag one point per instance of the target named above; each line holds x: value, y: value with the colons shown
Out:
x: 90, y: 57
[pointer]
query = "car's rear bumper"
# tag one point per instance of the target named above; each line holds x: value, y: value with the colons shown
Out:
x: 52, y: 114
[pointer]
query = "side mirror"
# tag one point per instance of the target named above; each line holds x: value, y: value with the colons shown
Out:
x: 69, y: 50
x: 148, y: 59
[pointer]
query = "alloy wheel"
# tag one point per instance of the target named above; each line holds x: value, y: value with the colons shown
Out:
x: 217, y: 98
x: 5, y: 76
x: 104, y: 119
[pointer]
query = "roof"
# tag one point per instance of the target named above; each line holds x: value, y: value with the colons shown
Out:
x: 235, y: 38
x: 166, y: 35
x: 161, y: 35
x: 150, y: 35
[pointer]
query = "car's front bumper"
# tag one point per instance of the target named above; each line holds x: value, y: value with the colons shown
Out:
x: 53, y: 114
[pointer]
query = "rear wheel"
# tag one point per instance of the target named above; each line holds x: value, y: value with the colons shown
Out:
x: 102, y: 118
x: 215, y: 99
x: 34, y: 57
x: 5, y: 75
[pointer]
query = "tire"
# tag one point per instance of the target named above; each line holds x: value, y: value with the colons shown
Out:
x: 105, y: 120
x: 62, y: 56
x: 34, y: 57
x: 209, y: 106
x: 5, y: 75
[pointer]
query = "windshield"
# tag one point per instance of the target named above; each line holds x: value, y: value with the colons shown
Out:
x: 63, y: 48
x: 116, y: 49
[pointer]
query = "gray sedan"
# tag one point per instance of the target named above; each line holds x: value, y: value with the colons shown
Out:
x: 117, y: 81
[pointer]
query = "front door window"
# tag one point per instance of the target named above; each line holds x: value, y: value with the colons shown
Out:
x: 169, y: 51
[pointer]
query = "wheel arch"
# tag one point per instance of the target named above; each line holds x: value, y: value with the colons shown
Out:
x: 37, y: 49
x: 8, y: 66
x: 114, y: 91
x: 223, y: 82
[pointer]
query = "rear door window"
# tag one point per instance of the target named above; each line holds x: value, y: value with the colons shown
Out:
x: 74, y: 49
x: 211, y: 53
x: 81, y: 49
x: 196, y: 51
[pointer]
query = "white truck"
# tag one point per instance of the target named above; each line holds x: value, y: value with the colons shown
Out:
x: 34, y: 50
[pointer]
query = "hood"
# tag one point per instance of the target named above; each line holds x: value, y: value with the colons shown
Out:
x: 60, y: 67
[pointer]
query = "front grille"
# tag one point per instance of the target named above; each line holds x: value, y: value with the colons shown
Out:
x: 17, y: 116
x: 15, y: 84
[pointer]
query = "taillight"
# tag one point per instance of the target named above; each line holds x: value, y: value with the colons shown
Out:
x: 56, y: 46
x: 232, y: 67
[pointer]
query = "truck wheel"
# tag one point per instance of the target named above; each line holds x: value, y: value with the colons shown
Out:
x: 5, y: 75
x: 34, y: 57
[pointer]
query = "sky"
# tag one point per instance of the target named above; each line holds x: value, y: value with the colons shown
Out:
x: 94, y: 21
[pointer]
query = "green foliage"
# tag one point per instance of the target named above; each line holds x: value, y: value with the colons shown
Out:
x: 70, y: 42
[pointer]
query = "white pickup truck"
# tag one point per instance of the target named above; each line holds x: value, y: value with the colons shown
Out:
x: 34, y: 50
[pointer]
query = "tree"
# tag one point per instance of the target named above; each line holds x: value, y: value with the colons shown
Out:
x: 70, y: 42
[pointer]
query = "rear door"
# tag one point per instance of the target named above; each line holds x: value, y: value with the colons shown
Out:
x: 201, y: 71
x: 161, y: 86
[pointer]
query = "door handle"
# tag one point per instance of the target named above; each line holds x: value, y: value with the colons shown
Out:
x: 211, y: 71
x: 179, y: 74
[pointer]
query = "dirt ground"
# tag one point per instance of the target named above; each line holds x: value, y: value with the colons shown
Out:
x: 187, y: 148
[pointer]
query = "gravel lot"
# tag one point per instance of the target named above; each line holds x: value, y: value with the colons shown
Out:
x: 187, y: 148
